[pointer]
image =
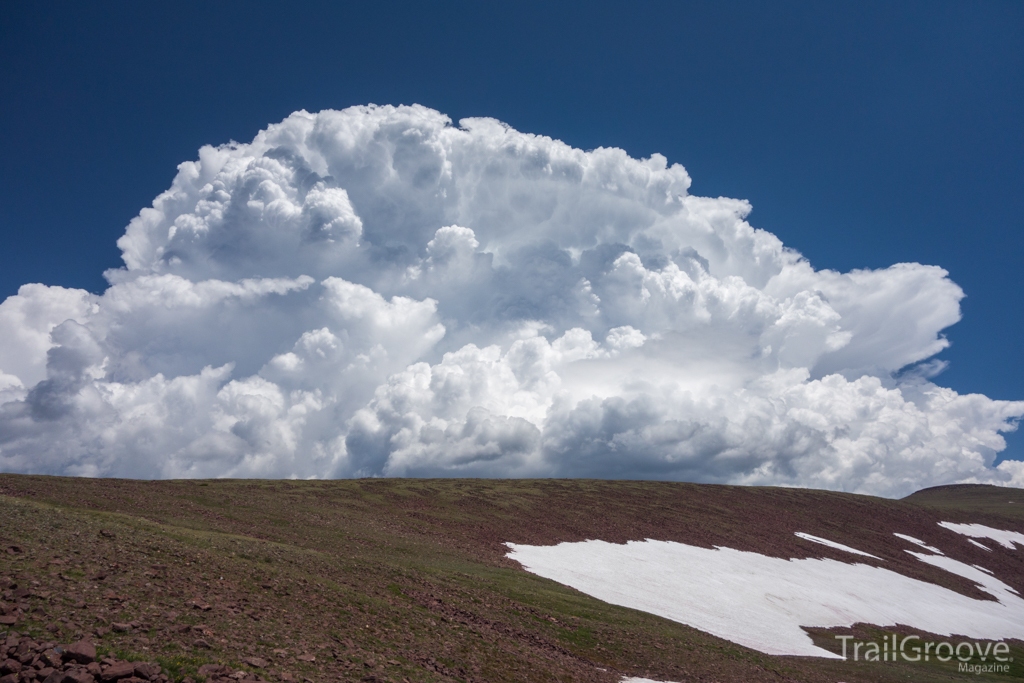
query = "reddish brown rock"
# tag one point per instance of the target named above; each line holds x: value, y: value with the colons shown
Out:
x: 255, y: 662
x: 212, y: 670
x: 146, y: 671
x: 82, y: 652
x: 10, y: 666
x: 8, y: 620
x: 50, y: 658
x: 9, y: 678
x: 78, y: 676
x: 117, y: 671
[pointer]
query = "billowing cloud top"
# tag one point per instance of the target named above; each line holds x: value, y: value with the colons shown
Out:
x: 378, y: 292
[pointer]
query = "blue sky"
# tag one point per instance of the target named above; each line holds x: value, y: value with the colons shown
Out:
x: 864, y: 134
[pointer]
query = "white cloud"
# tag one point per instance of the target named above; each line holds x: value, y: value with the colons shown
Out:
x: 27, y: 321
x: 378, y: 292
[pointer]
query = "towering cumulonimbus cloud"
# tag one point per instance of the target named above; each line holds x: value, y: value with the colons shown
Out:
x: 376, y: 291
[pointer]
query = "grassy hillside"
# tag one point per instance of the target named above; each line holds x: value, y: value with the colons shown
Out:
x: 392, y: 580
x: 971, y: 503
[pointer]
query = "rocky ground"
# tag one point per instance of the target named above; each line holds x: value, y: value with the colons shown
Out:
x: 49, y: 662
x: 403, y: 580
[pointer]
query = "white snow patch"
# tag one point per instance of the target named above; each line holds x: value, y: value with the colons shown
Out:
x: 764, y: 602
x: 833, y: 544
x: 983, y: 547
x: 1000, y: 536
x: 919, y: 542
x: 985, y: 580
x: 635, y: 679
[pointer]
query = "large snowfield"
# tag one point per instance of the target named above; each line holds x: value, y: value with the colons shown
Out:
x: 764, y: 602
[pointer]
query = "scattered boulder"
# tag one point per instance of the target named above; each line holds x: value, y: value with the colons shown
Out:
x: 82, y: 652
x: 51, y: 658
x: 77, y: 676
x: 255, y: 662
x: 117, y: 671
x: 214, y: 670
x: 146, y: 671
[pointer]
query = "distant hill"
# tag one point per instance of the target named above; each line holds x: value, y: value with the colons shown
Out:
x: 996, y: 503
